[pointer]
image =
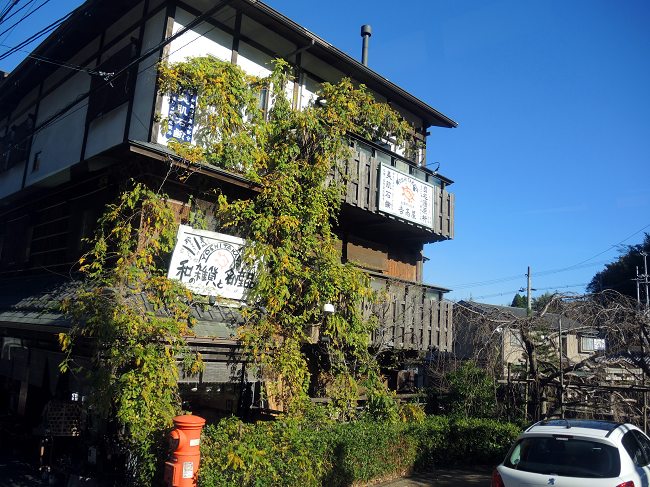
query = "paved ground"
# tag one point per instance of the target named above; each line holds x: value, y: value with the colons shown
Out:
x: 15, y: 472
x: 474, y: 476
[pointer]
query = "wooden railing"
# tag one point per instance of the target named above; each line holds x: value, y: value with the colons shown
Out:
x: 408, y: 318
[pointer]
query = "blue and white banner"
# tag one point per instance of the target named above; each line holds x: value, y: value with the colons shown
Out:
x: 181, y: 116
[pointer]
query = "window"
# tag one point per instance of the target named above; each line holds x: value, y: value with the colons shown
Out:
x: 433, y: 295
x: 586, y: 344
x: 16, y: 144
x: 364, y: 149
x: 434, y: 181
x: 383, y: 157
x: 37, y: 161
x: 515, y: 338
x: 402, y: 166
x: 262, y: 96
x: 308, y: 89
x: 644, y: 443
x: 592, y: 344
x: 416, y: 173
x: 634, y: 449
x: 108, y: 96
x: 568, y: 457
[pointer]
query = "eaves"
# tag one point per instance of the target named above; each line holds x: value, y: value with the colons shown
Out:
x: 164, y: 153
x: 347, y: 64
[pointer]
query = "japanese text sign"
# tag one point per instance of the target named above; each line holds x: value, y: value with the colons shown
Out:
x: 211, y: 264
x: 181, y: 116
x: 405, y: 196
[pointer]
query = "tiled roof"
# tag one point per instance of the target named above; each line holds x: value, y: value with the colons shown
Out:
x: 550, y: 318
x: 32, y: 302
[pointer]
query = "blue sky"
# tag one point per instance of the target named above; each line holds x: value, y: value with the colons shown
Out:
x: 551, y: 156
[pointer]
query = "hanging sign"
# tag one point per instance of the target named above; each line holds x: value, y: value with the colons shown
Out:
x: 181, y: 116
x: 405, y: 196
x: 211, y: 264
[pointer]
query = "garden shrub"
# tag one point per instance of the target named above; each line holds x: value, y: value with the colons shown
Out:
x: 291, y: 452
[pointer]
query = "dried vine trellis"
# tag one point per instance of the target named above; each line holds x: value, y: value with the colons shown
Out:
x: 522, y: 353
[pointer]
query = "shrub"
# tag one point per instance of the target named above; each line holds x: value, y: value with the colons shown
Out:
x: 472, y: 392
x: 290, y: 452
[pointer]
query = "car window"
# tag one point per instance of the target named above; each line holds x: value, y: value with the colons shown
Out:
x: 644, y: 443
x: 565, y: 456
x: 515, y: 456
x: 634, y: 449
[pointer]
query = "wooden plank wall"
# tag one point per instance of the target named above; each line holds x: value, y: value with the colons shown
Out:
x: 362, y: 173
x: 409, y: 319
x: 403, y: 270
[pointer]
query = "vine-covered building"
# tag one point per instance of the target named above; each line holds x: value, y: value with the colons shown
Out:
x: 79, y: 115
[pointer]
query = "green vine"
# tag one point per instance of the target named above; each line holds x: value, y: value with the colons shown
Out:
x: 295, y: 157
x: 136, y: 318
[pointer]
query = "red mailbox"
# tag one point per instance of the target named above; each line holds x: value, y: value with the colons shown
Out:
x: 184, y: 441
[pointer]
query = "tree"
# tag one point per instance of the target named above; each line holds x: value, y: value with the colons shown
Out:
x: 519, y: 301
x: 137, y: 318
x: 539, y: 303
x: 602, y: 382
x: 620, y: 275
x: 471, y: 392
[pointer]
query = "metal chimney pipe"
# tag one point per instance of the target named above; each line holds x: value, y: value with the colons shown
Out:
x: 366, y: 32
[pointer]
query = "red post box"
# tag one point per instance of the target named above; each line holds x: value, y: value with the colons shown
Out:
x: 184, y: 441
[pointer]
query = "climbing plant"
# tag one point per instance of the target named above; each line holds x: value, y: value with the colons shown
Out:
x: 296, y: 157
x: 136, y: 318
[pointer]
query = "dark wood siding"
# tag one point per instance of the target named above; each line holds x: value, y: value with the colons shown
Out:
x: 362, y: 173
x: 408, y: 319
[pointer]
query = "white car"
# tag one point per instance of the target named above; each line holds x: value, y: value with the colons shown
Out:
x: 577, y: 453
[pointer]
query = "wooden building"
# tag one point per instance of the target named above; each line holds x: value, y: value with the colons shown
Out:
x: 79, y: 115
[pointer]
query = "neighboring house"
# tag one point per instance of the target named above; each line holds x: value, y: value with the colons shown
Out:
x: 64, y: 129
x: 601, y: 379
x: 483, y: 329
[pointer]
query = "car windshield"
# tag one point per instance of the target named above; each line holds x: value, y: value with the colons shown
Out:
x: 566, y: 456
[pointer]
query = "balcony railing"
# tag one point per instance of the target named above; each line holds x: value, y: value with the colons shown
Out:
x: 410, y: 316
x: 363, y: 179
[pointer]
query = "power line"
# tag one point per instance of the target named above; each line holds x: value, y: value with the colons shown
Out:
x: 512, y: 278
x: 82, y: 96
x: 6, y: 10
x: 555, y: 288
x: 39, y: 34
x: 579, y: 265
x: 17, y: 11
x: 24, y: 17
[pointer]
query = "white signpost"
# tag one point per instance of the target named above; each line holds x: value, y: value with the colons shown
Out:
x: 405, y: 196
x: 211, y: 264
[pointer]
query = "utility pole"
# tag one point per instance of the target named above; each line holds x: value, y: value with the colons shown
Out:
x: 645, y: 278
x: 528, y: 299
x: 638, y: 292
x: 559, y: 341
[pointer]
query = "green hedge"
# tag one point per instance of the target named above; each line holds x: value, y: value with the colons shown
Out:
x: 294, y: 453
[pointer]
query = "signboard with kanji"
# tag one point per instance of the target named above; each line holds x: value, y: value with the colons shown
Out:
x: 211, y: 264
x: 181, y: 116
x: 404, y: 196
